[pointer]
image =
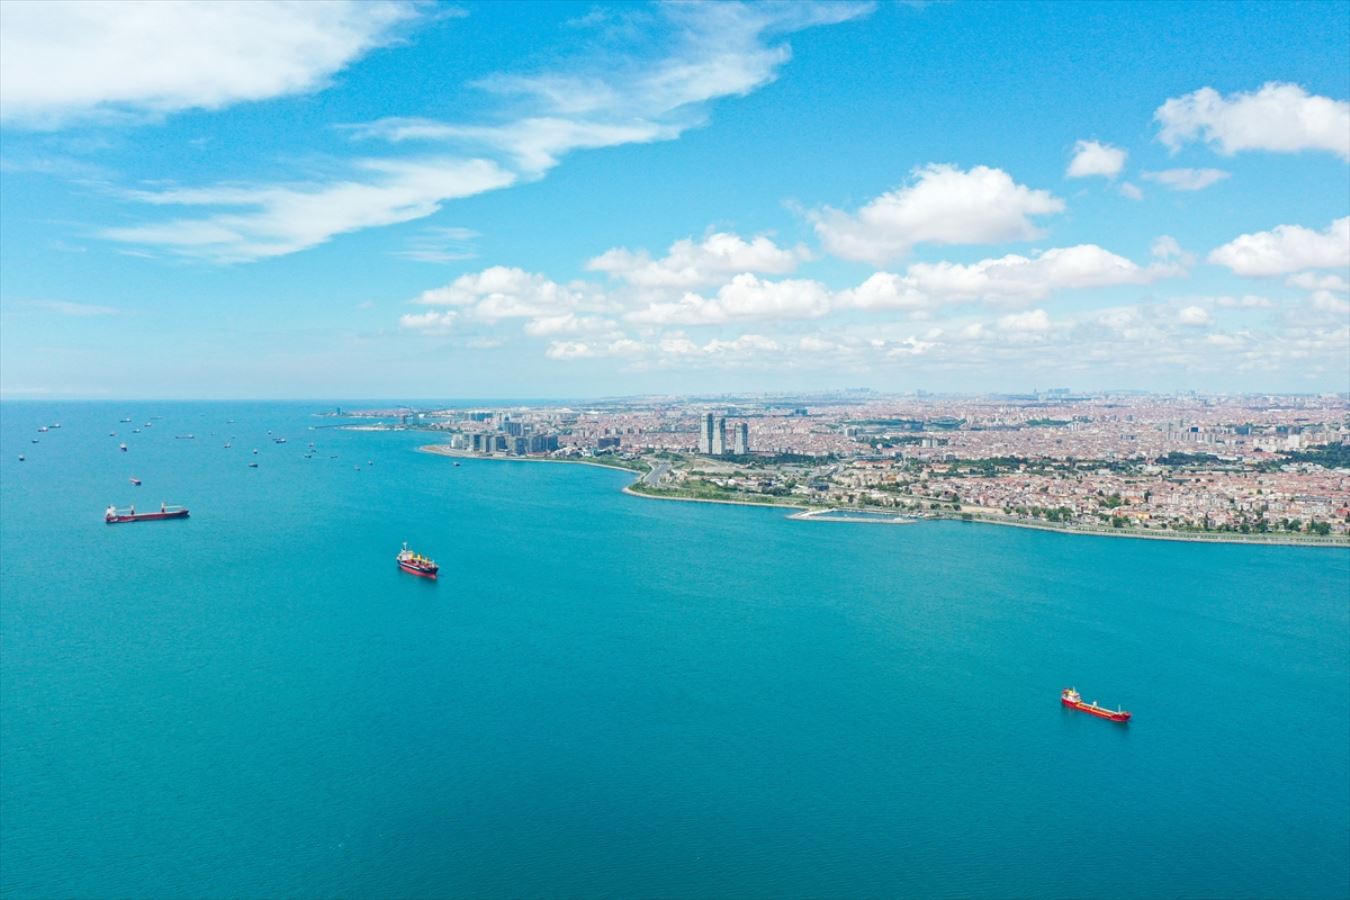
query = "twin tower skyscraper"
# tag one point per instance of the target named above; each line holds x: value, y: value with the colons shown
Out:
x: 712, y: 437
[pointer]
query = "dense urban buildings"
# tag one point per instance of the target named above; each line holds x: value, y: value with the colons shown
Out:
x: 1256, y: 465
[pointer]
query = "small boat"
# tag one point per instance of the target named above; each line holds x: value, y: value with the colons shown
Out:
x: 135, y: 431
x: 56, y: 424
x: 357, y: 468
x: 128, y: 419
x: 416, y: 563
x: 227, y: 446
x: 114, y: 516
x: 43, y: 430
x: 35, y: 440
x: 22, y: 457
x: 253, y: 465
x: 184, y: 437
x: 456, y: 465
x: 255, y: 451
x: 122, y: 446
x: 278, y: 440
x: 1072, y: 699
x: 112, y: 434
x: 136, y: 481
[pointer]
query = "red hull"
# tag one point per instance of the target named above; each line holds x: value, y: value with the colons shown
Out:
x: 1111, y: 714
x: 145, y: 517
x: 417, y: 570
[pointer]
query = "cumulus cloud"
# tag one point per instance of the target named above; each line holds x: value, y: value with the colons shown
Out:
x: 1094, y: 158
x: 1130, y: 191
x: 744, y: 297
x: 1282, y: 118
x: 1311, y: 281
x: 502, y: 292
x: 940, y: 205
x: 1011, y: 278
x: 1194, y: 316
x: 688, y: 264
x: 1186, y: 179
x: 111, y: 59
x: 1285, y: 249
x: 258, y: 221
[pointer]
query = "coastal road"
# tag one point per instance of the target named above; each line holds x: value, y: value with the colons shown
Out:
x: 658, y: 472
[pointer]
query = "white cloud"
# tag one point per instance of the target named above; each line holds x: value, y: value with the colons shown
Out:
x: 106, y: 58
x: 1246, y: 301
x: 1285, y: 249
x: 502, y: 292
x: 569, y: 323
x: 441, y: 245
x: 1311, y: 281
x: 1283, y: 118
x: 1130, y: 191
x: 430, y: 322
x: 744, y: 297
x: 276, y: 220
x: 1166, y: 248
x: 688, y: 264
x: 1186, y: 179
x: 1194, y: 316
x: 710, y: 51
x: 1010, y: 278
x: 1094, y: 158
x: 1036, y: 321
x: 941, y: 205
x: 707, y: 52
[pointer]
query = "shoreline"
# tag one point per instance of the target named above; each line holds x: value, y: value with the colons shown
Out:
x: 813, y: 513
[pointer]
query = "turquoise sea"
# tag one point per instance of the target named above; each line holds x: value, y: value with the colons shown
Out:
x: 612, y: 696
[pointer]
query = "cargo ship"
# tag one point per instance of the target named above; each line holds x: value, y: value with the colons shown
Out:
x: 416, y: 563
x: 114, y: 516
x: 1072, y: 699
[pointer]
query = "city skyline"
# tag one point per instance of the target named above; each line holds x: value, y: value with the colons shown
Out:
x: 458, y: 201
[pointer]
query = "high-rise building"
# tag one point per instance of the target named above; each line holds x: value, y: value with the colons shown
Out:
x: 742, y: 441
x: 705, y: 435
x: 719, y: 438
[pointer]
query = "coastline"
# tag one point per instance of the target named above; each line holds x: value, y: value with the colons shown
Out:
x: 816, y: 513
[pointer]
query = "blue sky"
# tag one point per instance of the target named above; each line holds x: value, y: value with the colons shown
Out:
x: 515, y: 200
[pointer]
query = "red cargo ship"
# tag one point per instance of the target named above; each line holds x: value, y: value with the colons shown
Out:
x: 115, y: 516
x: 416, y: 563
x: 1072, y: 699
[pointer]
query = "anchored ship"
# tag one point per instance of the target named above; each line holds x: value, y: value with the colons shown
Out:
x: 114, y: 516
x: 1072, y: 699
x: 416, y: 563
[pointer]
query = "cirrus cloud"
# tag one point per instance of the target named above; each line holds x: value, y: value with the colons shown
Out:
x: 127, y: 60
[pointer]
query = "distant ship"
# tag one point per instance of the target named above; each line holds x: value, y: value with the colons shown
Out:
x: 1072, y: 699
x: 253, y: 465
x: 42, y: 430
x: 122, y: 447
x: 417, y: 564
x: 127, y: 419
x: 136, y: 481
x: 114, y: 516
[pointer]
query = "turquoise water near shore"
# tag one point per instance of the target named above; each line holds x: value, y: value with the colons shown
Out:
x: 605, y: 695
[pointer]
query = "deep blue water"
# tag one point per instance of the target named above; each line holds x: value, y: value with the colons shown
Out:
x: 612, y: 696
